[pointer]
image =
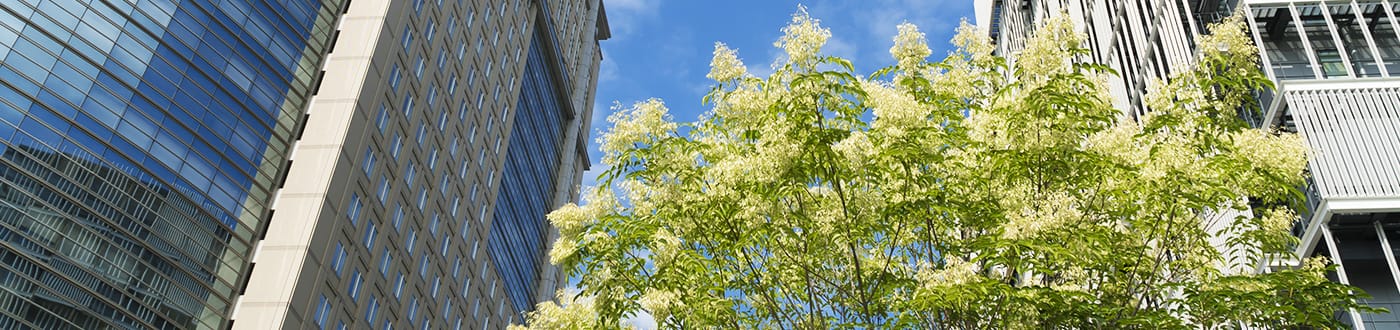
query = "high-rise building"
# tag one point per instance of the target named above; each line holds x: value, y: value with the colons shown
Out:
x: 441, y: 134
x: 140, y: 142
x: 1335, y: 65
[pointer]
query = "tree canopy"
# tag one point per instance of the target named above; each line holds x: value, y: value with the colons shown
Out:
x: 967, y: 193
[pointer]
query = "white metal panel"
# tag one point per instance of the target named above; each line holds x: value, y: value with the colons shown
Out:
x: 1354, y: 134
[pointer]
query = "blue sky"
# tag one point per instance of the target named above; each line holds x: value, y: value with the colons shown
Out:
x: 662, y: 49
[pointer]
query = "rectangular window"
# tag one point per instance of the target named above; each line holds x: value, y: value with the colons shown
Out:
x: 443, y: 184
x: 442, y: 58
x: 417, y: 7
x: 395, y: 77
x: 456, y: 203
x: 407, y: 39
x: 338, y: 258
x: 418, y: 70
x: 369, y: 161
x: 433, y: 227
x: 384, y: 262
x: 452, y: 85
x: 432, y: 29
x: 383, y: 189
x: 398, y: 216
x: 398, y: 144
x: 383, y: 120
x: 422, y: 133
x: 410, y: 174
x: 443, y: 249
x: 354, y: 290
x: 371, y: 232
x: 422, y: 198
x: 451, y: 25
x: 457, y: 268
x: 423, y: 267
x: 412, y: 309
x: 437, y: 284
x: 442, y: 121
x: 412, y: 236
x: 372, y: 310
x: 323, y: 311
x: 408, y: 107
x: 353, y: 209
x: 398, y: 287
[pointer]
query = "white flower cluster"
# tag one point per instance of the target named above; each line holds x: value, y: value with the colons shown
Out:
x: 910, y: 47
x: 955, y: 271
x: 803, y: 38
x: 641, y: 124
x: 894, y: 109
x: 725, y: 65
x: 660, y: 302
x: 856, y: 148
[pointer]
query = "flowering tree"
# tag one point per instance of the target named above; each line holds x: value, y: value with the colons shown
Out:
x: 944, y: 195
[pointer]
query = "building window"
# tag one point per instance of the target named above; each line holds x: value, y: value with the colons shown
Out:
x: 383, y: 189
x: 398, y: 287
x: 408, y: 245
x: 383, y: 120
x: 456, y: 203
x: 395, y: 77
x: 407, y: 39
x: 338, y: 258
x: 457, y: 268
x: 442, y: 58
x: 371, y: 232
x: 323, y: 311
x: 408, y: 107
x: 409, y: 174
x: 432, y: 29
x: 433, y: 228
x: 369, y: 161
x: 412, y: 309
x: 355, y: 281
x: 398, y: 144
x: 372, y: 310
x: 384, y: 262
x: 422, y: 133
x: 423, y: 267
x: 418, y: 68
x: 398, y: 216
x: 353, y: 210
x: 437, y: 284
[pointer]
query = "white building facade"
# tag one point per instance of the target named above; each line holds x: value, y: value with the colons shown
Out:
x: 1336, y: 65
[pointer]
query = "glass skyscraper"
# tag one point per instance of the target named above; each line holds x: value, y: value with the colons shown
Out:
x: 141, y: 143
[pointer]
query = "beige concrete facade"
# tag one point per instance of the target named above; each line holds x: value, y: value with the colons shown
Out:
x: 385, y: 215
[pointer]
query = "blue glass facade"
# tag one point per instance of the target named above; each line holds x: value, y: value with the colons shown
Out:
x: 140, y: 142
x: 519, y: 230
